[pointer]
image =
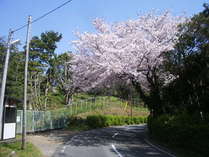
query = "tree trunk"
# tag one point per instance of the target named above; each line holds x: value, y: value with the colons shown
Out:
x: 46, y: 94
x: 68, y: 99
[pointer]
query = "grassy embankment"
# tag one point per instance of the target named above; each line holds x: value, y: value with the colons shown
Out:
x: 109, y: 108
x: 84, y: 105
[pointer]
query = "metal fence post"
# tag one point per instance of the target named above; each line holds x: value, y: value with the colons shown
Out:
x: 72, y: 109
x: 33, y: 120
x: 81, y: 107
x: 51, y: 124
x: 21, y: 116
x: 102, y: 102
x: 86, y: 106
x: 76, y: 108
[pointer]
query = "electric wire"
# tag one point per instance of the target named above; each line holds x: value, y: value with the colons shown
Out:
x: 44, y: 15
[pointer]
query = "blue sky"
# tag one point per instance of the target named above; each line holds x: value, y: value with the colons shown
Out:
x: 78, y: 15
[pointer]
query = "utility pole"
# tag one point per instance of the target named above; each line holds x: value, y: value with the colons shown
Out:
x: 26, y: 82
x: 4, y: 79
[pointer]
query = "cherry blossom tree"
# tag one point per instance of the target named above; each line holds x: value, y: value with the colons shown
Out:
x: 132, y: 49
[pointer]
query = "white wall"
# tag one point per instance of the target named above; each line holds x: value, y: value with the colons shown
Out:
x: 9, y: 130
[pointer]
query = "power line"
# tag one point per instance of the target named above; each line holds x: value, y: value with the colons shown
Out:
x: 44, y: 15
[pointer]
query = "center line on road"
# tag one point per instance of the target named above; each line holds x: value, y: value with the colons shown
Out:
x: 114, y: 148
x: 115, y: 134
x: 63, y: 149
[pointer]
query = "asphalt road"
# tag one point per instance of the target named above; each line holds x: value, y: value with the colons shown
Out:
x: 126, y: 141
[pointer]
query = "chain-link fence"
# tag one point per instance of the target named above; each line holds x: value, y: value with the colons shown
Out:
x: 40, y: 121
x: 47, y: 120
x: 91, y: 104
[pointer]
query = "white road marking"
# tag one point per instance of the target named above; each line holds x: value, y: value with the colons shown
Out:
x: 117, y: 152
x: 63, y: 149
x: 159, y: 148
x: 115, y: 134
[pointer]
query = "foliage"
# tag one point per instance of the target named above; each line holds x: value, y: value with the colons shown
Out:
x: 48, y: 72
x: 119, y: 88
x: 15, y: 77
x: 99, y: 121
x: 189, y: 63
x: 63, y: 76
x: 77, y: 124
x: 183, y: 118
x: 182, y: 131
x: 42, y: 71
x: 30, y: 150
x: 56, y: 100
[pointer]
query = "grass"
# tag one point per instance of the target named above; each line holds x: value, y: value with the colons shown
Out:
x: 7, y: 149
x: 84, y: 104
x: 102, y: 105
x: 119, y: 109
x: 106, y: 105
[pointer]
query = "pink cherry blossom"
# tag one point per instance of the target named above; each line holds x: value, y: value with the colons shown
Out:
x: 126, y: 49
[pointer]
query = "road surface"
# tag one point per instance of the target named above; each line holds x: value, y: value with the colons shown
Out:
x: 125, y: 141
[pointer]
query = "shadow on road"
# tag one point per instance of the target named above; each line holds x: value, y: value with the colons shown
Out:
x: 127, y: 140
x: 129, y: 135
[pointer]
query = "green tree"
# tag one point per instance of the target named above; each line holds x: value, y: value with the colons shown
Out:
x: 41, y: 67
x: 63, y: 75
x: 14, y: 84
x: 15, y: 77
x: 189, y: 63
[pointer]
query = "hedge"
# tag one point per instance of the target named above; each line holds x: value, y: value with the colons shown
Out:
x: 100, y: 121
x: 181, y: 131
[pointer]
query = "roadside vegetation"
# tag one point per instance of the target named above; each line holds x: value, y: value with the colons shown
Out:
x: 110, y: 105
x: 187, y: 135
x: 107, y: 111
x: 14, y: 150
x: 84, y: 105
x: 101, y: 121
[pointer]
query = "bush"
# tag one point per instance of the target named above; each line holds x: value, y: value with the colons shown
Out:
x: 181, y: 131
x: 99, y: 121
x: 77, y: 124
x: 75, y: 121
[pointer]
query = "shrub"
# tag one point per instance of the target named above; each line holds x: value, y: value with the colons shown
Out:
x: 181, y: 131
x: 99, y: 121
